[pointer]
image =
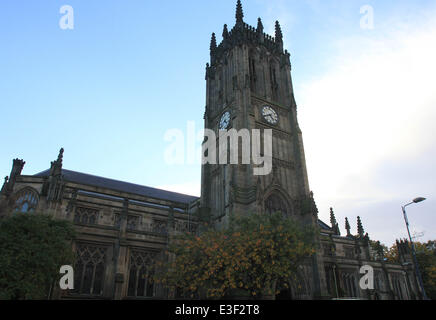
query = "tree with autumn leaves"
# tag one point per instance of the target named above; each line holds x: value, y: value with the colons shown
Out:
x: 253, y: 255
x: 426, y: 257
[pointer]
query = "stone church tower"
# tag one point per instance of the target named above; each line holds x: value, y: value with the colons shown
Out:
x: 249, y: 86
x: 122, y: 228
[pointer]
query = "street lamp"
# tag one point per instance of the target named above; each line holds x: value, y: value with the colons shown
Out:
x: 420, y: 199
x: 418, y: 273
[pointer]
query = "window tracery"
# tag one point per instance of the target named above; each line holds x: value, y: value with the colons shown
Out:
x: 274, y: 203
x: 141, y: 273
x: 132, y: 222
x: 89, y: 269
x: 301, y: 284
x: 397, y: 286
x: 27, y: 201
x: 86, y: 216
x: 349, y: 281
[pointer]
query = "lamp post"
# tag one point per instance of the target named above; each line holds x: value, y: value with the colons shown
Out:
x: 418, y: 272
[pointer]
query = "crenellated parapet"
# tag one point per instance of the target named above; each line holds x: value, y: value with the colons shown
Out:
x: 243, y: 33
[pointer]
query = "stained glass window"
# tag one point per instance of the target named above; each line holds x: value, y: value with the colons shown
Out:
x: 27, y: 201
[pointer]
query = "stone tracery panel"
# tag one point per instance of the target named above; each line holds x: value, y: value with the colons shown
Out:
x: 141, y: 271
x: 87, y: 216
x: 89, y: 269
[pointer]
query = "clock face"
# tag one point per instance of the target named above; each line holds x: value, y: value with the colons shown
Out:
x: 225, y: 121
x: 270, y: 115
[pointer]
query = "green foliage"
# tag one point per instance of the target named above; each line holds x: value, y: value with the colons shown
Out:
x: 254, y: 254
x: 426, y: 256
x: 392, y: 254
x: 380, y: 249
x: 33, y: 247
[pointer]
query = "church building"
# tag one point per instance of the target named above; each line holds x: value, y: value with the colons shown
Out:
x: 123, y: 227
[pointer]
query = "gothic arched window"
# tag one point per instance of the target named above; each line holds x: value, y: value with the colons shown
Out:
x: 273, y: 80
x: 378, y: 283
x: 349, y: 281
x: 301, y: 283
x: 89, y: 269
x: 141, y: 275
x: 27, y: 201
x: 275, y: 204
x: 397, y: 287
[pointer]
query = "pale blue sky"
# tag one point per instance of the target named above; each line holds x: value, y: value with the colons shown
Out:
x: 130, y: 70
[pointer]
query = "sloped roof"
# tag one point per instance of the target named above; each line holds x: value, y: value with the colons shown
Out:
x: 91, y: 180
x: 96, y: 181
x: 324, y: 225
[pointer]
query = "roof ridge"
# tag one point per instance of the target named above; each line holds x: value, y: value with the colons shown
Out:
x: 104, y: 179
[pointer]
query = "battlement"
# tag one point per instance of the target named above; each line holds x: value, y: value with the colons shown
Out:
x: 244, y: 33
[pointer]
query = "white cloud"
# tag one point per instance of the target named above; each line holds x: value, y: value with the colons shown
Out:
x: 376, y: 105
x: 370, y: 107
